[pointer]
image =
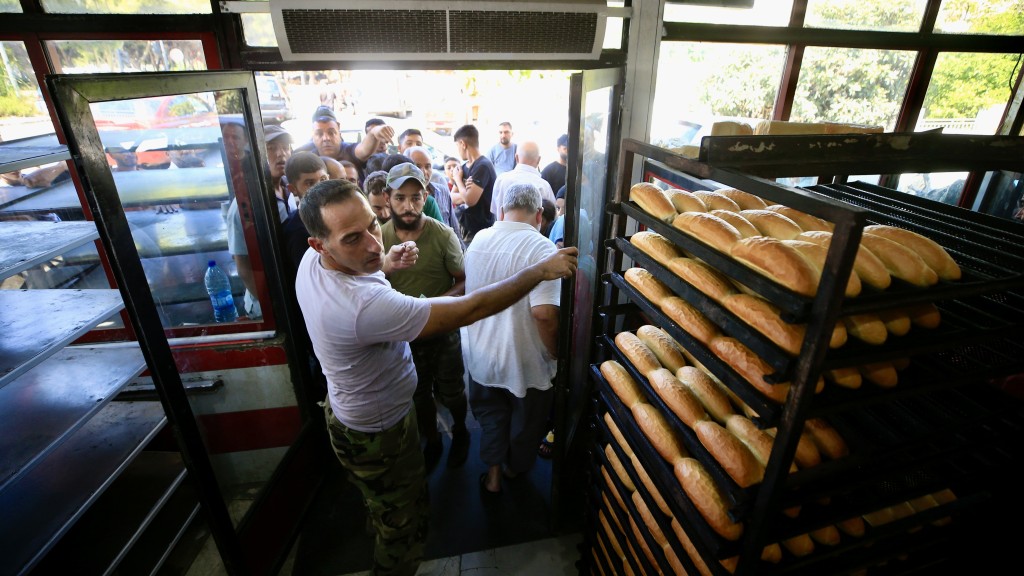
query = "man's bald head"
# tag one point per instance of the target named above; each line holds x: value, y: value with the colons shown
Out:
x: 528, y: 153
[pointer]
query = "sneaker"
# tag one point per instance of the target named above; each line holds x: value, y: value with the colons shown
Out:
x: 459, y: 449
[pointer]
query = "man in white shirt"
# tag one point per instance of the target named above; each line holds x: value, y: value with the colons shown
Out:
x: 510, y: 356
x: 525, y: 172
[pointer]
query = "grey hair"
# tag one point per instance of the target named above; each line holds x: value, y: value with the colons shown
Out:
x: 408, y: 151
x: 523, y: 197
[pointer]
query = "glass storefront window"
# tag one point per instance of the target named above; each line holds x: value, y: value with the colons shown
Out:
x: 10, y: 6
x: 126, y: 6
x: 258, y: 30
x: 878, y: 15
x: 981, y: 17
x: 853, y: 86
x: 701, y: 83
x: 968, y: 93
x: 763, y: 13
x: 91, y: 56
x: 946, y: 187
x: 22, y: 109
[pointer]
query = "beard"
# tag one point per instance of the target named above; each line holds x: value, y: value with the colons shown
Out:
x: 564, y: 157
x: 401, y: 224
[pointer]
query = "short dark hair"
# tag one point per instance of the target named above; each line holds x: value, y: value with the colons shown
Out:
x: 506, y: 123
x: 324, y: 194
x: 563, y: 140
x: 373, y: 122
x: 468, y: 134
x: 376, y: 183
x: 410, y: 132
x: 375, y: 161
x: 394, y: 160
x: 303, y: 163
x: 447, y: 158
x: 347, y: 164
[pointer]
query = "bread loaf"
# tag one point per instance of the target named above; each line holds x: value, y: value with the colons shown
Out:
x: 614, y: 491
x: 684, y: 201
x: 689, y: 319
x: 706, y: 391
x: 782, y: 127
x: 827, y: 535
x: 772, y: 224
x: 925, y: 315
x: 896, y: 321
x: 745, y: 200
x: 664, y: 348
x: 880, y: 373
x: 734, y: 457
x: 777, y: 261
x: 645, y: 479
x: 866, y: 265
x: 815, y: 255
x: 648, y: 519
x: 764, y: 317
x: 848, y: 377
x: 709, y: 229
x: 702, y: 277
x: 826, y: 438
x: 691, y: 550
x: 750, y: 366
x: 652, y: 200
x: 658, y: 433
x: 934, y: 256
x: 610, y: 535
x: 677, y: 397
x: 839, y: 336
x: 628, y: 391
x: 642, y: 358
x: 867, y: 328
x: 620, y: 471
x: 900, y: 261
x: 656, y: 246
x: 800, y: 545
x: 642, y: 542
x: 715, y: 201
x: 731, y: 128
x: 701, y: 489
x: 756, y: 440
x: 617, y: 434
x: 807, y: 454
x: 852, y: 526
x: 745, y: 228
x: 653, y: 290
x: 804, y: 220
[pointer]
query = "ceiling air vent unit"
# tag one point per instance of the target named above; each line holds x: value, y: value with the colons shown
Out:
x: 439, y: 30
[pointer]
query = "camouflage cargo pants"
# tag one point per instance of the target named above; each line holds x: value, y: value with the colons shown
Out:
x: 388, y: 469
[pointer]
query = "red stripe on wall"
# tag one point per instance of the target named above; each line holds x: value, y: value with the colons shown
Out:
x: 250, y: 429
x: 209, y: 358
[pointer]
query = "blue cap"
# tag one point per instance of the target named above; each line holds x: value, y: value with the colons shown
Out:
x: 324, y: 114
x: 211, y: 263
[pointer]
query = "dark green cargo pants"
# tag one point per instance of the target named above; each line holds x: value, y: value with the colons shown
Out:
x: 388, y: 469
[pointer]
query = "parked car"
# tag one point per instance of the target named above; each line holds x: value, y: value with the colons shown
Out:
x: 275, y: 105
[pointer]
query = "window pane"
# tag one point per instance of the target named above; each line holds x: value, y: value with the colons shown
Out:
x: 22, y: 109
x: 89, y: 56
x: 764, y: 13
x: 968, y: 93
x: 981, y: 17
x: 701, y: 83
x: 127, y: 6
x: 11, y: 6
x: 258, y: 30
x: 881, y: 15
x: 852, y: 85
x: 944, y: 187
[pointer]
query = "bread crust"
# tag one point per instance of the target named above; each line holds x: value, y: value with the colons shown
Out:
x: 734, y: 457
x: 774, y: 259
x: 645, y: 479
x: 628, y: 391
x: 815, y: 255
x: 653, y: 201
x: 656, y: 246
x: 706, y: 391
x: 880, y: 373
x: 709, y: 229
x: 826, y: 438
x: 934, y: 255
x: 896, y: 321
x: 749, y: 366
x: 689, y: 319
x: 663, y: 347
x: 925, y: 315
x: 684, y: 201
x: 867, y: 328
x: 658, y: 433
x: 702, y: 277
x: 620, y: 471
x: 653, y: 289
x: 803, y: 220
x: 745, y: 228
x: 772, y: 224
x: 642, y: 357
x: 617, y: 434
x: 745, y: 200
x: 764, y: 317
x: 701, y: 489
x: 866, y: 265
x: 715, y: 201
x: 679, y: 399
x: 900, y: 261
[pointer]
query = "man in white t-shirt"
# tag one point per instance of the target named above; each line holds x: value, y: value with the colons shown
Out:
x: 510, y: 356
x: 360, y: 328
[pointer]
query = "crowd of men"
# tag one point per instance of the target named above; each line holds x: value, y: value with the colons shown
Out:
x: 416, y: 286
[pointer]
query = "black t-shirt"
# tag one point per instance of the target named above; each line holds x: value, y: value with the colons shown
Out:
x: 479, y: 216
x: 554, y: 174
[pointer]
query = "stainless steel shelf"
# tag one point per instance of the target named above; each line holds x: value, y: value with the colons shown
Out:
x: 24, y: 245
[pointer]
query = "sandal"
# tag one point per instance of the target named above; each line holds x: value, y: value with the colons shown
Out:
x: 547, y: 446
x: 483, y: 488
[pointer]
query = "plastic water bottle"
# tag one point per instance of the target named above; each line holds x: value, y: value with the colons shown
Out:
x: 218, y: 286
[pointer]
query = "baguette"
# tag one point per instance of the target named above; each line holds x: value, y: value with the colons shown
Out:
x: 715, y: 201
x: 756, y: 440
x: 880, y: 373
x: 639, y: 537
x: 868, y: 267
x: 648, y: 519
x: 679, y: 399
x: 650, y: 287
x: 900, y: 261
x: 628, y: 391
x: 839, y: 336
x: 934, y: 255
x: 645, y: 479
x: 734, y: 457
x: 691, y: 550
x: 848, y: 377
x: 897, y: 321
x: 826, y: 438
x: 827, y: 535
x: 749, y: 366
x: 773, y: 224
x: 867, y: 328
x: 709, y: 229
x: 852, y: 526
x: 652, y: 200
x: 880, y: 517
x: 804, y: 220
x: 702, y: 277
x: 800, y: 545
x: 689, y: 319
x: 656, y: 246
x: 620, y: 471
x: 657, y: 431
x: 617, y: 435
x: 639, y: 355
x: 777, y: 261
x: 701, y: 489
x: 745, y: 200
x: 807, y: 454
x: 764, y: 317
x: 610, y: 535
x: 684, y: 201
x: 706, y: 391
x: 731, y: 128
x: 745, y: 228
x: 815, y: 256
x: 615, y: 493
x: 925, y: 315
x: 663, y: 347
